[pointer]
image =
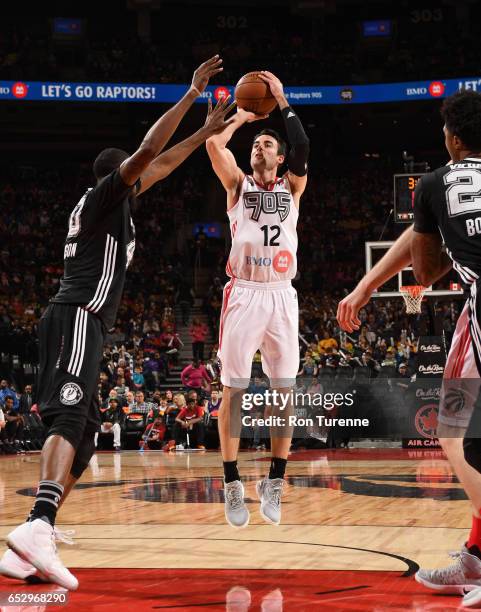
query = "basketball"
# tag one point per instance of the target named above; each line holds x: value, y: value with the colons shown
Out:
x: 253, y: 94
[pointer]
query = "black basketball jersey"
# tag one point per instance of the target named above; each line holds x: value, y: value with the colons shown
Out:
x: 448, y: 200
x: 99, y: 247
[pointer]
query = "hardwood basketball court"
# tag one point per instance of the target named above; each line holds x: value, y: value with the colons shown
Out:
x: 151, y: 534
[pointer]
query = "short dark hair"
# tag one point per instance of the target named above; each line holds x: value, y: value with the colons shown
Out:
x: 281, y: 143
x: 462, y: 116
x: 107, y: 161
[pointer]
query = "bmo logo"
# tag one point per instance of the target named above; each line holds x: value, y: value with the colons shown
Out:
x: 436, y: 89
x: 416, y: 91
x: 220, y: 93
x: 19, y: 90
x: 282, y: 261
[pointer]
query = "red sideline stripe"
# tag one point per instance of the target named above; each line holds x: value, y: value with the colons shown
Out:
x: 228, y: 291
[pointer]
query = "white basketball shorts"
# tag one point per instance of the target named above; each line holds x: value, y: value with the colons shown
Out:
x: 461, y: 381
x: 261, y: 316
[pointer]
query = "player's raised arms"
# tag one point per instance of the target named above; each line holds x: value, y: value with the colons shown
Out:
x: 161, y: 132
x: 169, y: 160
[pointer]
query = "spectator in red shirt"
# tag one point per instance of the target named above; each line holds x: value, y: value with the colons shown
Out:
x: 190, y: 420
x: 195, y: 377
x: 195, y: 396
x: 154, y: 434
x: 198, y: 333
x: 170, y: 344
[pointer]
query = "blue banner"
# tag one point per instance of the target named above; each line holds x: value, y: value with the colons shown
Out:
x: 137, y: 92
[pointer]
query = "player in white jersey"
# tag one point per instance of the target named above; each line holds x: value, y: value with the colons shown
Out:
x: 259, y: 309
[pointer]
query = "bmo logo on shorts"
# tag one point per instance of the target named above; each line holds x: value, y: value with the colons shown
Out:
x: 70, y: 394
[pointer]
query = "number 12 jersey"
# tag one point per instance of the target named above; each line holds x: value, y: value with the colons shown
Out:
x: 264, y: 236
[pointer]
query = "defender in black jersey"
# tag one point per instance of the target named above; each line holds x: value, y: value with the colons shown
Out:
x: 447, y: 209
x: 99, y: 247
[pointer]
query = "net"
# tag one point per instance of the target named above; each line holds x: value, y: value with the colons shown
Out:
x: 413, y: 296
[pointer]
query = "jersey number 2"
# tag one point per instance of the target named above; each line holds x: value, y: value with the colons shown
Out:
x: 463, y: 195
x: 276, y: 233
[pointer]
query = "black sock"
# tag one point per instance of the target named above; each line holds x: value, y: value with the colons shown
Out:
x: 278, y: 467
x: 474, y: 550
x: 231, y: 472
x: 48, y: 496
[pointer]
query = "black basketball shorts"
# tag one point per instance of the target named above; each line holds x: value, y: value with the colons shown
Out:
x: 70, y: 346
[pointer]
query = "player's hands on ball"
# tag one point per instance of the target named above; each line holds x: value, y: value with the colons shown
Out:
x: 215, y: 121
x: 249, y: 116
x: 275, y: 85
x: 348, y: 308
x: 206, y: 71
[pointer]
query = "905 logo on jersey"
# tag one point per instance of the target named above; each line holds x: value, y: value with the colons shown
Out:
x: 269, y: 203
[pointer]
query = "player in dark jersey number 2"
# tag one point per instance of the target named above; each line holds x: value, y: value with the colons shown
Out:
x: 447, y: 208
x: 99, y: 246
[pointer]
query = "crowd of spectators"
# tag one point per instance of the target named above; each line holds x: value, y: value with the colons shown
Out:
x: 35, y: 205
x: 339, y: 212
x: 309, y: 49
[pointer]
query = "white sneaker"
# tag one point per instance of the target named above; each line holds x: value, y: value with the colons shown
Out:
x: 472, y: 599
x: 464, y: 573
x: 13, y: 566
x: 272, y: 602
x: 34, y: 542
x: 236, y: 512
x: 238, y: 599
x: 269, y: 492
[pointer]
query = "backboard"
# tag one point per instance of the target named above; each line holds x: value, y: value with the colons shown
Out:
x: 375, y: 250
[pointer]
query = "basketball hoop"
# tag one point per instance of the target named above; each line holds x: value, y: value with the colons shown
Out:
x: 413, y: 296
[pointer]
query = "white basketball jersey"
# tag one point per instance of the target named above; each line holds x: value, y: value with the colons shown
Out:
x: 263, y: 229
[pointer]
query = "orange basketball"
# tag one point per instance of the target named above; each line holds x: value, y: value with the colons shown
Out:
x: 252, y: 94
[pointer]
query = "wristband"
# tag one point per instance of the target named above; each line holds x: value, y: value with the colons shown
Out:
x: 194, y: 88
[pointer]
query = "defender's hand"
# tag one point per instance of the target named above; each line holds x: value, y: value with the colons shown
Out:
x: 206, y: 71
x: 348, y: 309
x: 248, y: 116
x: 215, y: 121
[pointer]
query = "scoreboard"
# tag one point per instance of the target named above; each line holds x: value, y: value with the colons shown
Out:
x: 404, y: 187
